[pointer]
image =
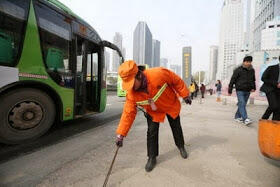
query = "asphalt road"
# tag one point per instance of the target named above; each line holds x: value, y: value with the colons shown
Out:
x: 63, y: 131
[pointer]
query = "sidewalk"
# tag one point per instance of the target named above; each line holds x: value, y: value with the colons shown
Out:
x: 233, y: 100
x: 221, y: 153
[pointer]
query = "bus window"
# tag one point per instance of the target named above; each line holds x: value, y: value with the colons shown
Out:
x: 92, y: 68
x: 13, y: 16
x: 95, y: 66
x: 92, y: 79
x: 79, y: 55
x: 79, y: 63
x: 55, y: 35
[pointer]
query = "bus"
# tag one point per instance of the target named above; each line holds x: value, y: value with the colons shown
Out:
x: 120, y: 91
x: 112, y: 79
x: 51, y: 68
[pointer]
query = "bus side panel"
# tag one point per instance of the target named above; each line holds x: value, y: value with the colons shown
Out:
x: 103, y: 90
x: 120, y: 91
x: 103, y: 100
x: 31, y: 65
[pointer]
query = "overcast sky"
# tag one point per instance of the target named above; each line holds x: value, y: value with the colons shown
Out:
x: 175, y: 23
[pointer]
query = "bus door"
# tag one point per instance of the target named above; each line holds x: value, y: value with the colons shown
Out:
x: 80, y: 76
x: 93, y: 80
x: 87, y: 78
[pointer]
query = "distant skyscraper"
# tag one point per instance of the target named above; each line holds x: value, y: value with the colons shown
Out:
x: 156, y: 53
x: 187, y: 65
x: 107, y: 60
x: 271, y: 35
x: 213, y: 63
x: 176, y: 69
x: 264, y: 11
x: 164, y: 62
x: 231, y: 35
x: 142, y: 44
x: 250, y: 24
x: 116, y: 59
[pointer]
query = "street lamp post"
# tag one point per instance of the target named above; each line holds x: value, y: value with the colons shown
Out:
x: 199, y: 77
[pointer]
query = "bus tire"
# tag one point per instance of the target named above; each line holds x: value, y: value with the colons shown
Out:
x: 25, y: 114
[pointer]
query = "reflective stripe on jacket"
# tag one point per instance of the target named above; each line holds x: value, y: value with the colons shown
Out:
x: 163, y: 86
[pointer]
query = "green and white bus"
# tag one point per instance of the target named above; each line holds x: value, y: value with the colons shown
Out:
x: 120, y: 91
x: 51, y: 67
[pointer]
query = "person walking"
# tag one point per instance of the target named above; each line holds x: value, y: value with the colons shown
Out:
x: 196, y: 89
x: 244, y: 80
x: 156, y: 90
x: 267, y: 113
x: 202, y: 90
x: 211, y: 91
x: 192, y: 90
x: 271, y: 87
x: 218, y: 90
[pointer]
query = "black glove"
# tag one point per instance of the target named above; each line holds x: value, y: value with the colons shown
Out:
x: 188, y: 100
x: 119, y: 140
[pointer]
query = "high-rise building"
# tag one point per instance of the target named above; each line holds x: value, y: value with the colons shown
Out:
x: 231, y: 35
x: 213, y: 63
x: 187, y: 65
x: 206, y: 78
x: 156, y: 53
x: 116, y: 58
x: 142, y: 44
x: 265, y: 10
x: 250, y: 24
x: 271, y: 35
x: 247, y: 32
x: 176, y: 69
x: 250, y: 15
x: 107, y: 60
x: 164, y: 62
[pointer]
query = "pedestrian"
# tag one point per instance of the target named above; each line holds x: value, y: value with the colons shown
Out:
x: 196, y: 89
x: 267, y: 113
x: 218, y: 90
x: 244, y: 80
x: 156, y: 90
x: 202, y: 90
x: 271, y: 87
x: 192, y: 90
x: 211, y: 91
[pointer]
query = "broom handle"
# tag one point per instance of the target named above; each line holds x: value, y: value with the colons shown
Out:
x: 110, y: 169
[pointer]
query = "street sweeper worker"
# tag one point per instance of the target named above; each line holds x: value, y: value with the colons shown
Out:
x: 156, y: 90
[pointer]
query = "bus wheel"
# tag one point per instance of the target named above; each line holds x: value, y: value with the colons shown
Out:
x: 25, y: 114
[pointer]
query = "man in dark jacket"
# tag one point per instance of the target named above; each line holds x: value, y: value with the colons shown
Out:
x: 244, y: 80
x: 271, y: 87
x: 202, y: 90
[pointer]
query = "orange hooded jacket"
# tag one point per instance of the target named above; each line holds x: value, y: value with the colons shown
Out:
x: 167, y: 103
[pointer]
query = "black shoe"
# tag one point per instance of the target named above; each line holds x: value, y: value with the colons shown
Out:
x: 183, y: 152
x: 151, y: 163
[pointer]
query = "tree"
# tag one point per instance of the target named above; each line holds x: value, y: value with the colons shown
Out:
x: 196, y: 76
